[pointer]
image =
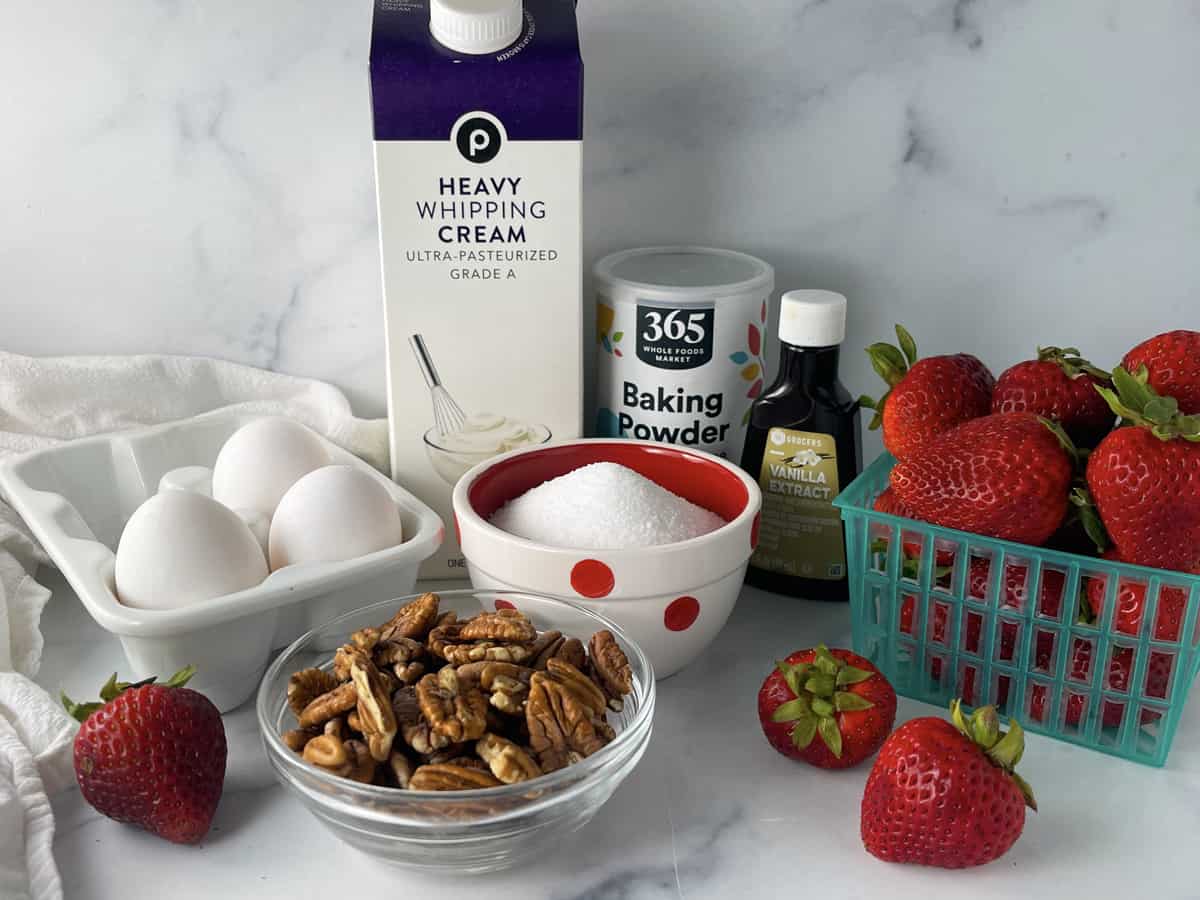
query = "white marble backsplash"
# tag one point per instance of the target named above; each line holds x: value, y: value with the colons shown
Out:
x: 196, y: 177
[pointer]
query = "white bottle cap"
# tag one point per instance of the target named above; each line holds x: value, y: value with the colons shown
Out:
x: 812, y: 318
x: 475, y: 26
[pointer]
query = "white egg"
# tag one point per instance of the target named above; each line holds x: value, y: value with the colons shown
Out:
x: 335, y: 513
x: 180, y: 548
x: 261, y: 460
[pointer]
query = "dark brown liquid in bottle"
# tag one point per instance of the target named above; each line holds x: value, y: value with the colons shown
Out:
x: 807, y: 397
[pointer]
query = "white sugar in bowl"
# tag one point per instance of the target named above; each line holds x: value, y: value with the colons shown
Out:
x: 180, y: 548
x: 673, y: 599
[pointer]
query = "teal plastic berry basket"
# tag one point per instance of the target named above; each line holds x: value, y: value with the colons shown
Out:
x: 944, y: 613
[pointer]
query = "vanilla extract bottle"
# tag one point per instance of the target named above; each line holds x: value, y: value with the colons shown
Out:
x: 803, y: 446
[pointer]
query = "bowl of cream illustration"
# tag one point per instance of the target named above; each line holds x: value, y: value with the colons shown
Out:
x: 481, y: 437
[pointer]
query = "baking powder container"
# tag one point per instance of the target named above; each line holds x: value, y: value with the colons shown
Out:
x: 681, y: 337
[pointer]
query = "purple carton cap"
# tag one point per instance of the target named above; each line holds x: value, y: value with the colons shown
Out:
x: 419, y: 88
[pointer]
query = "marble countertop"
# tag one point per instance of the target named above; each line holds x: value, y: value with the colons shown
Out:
x: 711, y: 811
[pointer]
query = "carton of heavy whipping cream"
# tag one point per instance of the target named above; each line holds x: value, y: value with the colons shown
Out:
x: 478, y: 124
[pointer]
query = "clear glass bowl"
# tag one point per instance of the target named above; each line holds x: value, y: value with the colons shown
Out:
x: 452, y: 465
x: 458, y: 831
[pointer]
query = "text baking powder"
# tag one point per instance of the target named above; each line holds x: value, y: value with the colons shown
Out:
x: 681, y: 345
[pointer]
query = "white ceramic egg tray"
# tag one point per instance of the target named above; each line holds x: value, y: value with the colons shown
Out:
x: 77, y: 497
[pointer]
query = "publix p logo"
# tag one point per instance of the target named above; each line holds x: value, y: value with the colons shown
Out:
x: 478, y: 136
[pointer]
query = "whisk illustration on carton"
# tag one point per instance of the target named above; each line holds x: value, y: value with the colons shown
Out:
x: 457, y: 441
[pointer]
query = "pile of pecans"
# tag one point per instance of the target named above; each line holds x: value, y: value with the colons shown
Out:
x: 428, y: 702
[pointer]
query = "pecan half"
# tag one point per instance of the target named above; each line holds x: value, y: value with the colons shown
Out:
x: 447, y: 642
x: 543, y: 647
x: 377, y: 720
x: 297, y: 738
x: 413, y: 620
x: 306, y: 686
x: 561, y: 727
x: 400, y: 768
x: 451, y: 753
x: 362, y: 763
x: 447, y: 777
x: 366, y: 638
x: 398, y: 650
x: 456, y: 714
x: 345, y: 655
x: 340, y: 700
x: 567, y: 649
x: 507, y: 686
x: 470, y: 675
x: 409, y: 673
x: 584, y: 689
x: 508, y: 625
x: 508, y: 762
x: 328, y: 752
x: 612, y: 666
x: 413, y: 728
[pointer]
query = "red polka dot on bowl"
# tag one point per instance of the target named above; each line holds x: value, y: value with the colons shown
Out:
x: 681, y: 613
x: 592, y: 578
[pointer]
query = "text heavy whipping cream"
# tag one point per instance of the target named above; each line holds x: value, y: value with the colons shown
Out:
x: 681, y: 345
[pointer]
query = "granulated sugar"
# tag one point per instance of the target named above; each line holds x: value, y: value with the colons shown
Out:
x: 603, y: 506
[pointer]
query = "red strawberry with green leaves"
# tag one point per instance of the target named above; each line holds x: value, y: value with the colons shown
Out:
x: 1145, y: 479
x: 925, y: 397
x: 1172, y: 363
x: 152, y: 755
x: 1060, y: 386
x: 1004, y: 475
x: 946, y: 795
x: 829, y: 708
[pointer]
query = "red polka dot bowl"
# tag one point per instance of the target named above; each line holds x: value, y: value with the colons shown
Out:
x: 673, y: 599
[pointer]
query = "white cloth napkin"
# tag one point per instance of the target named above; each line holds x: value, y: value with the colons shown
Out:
x: 45, y: 401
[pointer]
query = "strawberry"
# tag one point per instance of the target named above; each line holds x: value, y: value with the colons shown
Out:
x: 1004, y: 475
x: 887, y: 502
x: 1078, y: 670
x: 152, y: 755
x: 829, y: 708
x: 1120, y: 668
x: 1172, y: 362
x: 1015, y: 594
x: 1145, y: 479
x: 925, y: 397
x: 946, y: 795
x: 1127, y: 619
x: 1131, y: 601
x: 1060, y: 386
